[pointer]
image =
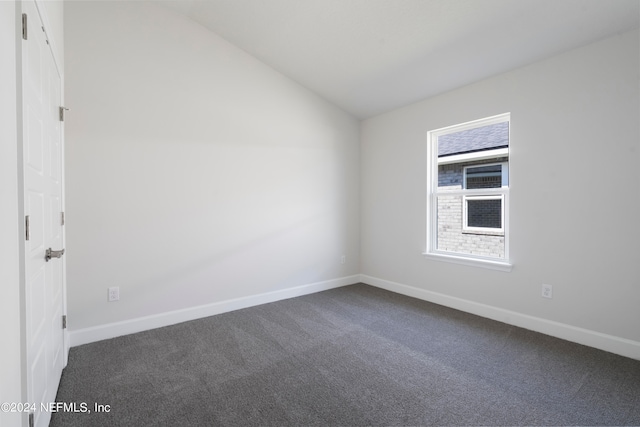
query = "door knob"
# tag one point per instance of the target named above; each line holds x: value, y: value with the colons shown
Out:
x: 53, y: 254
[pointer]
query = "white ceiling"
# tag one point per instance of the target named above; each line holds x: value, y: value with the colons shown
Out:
x: 371, y: 56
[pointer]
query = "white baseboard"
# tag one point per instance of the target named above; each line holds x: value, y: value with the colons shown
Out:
x: 610, y: 343
x: 112, y: 330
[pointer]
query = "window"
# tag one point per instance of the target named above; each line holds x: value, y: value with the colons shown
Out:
x: 486, y: 176
x: 468, y: 193
x: 484, y: 213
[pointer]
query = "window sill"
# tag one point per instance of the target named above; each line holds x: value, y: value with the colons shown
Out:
x: 474, y: 262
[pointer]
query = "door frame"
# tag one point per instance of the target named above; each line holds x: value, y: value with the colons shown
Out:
x: 10, y: 255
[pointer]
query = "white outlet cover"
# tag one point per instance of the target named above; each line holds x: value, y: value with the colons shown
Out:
x: 113, y: 294
x: 547, y: 291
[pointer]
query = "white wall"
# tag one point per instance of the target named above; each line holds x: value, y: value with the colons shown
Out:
x: 575, y: 199
x: 10, y: 365
x: 195, y: 173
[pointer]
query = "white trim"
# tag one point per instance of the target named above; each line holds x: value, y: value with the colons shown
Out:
x: 67, y: 345
x: 472, y: 157
x: 622, y: 346
x: 470, y: 260
x: 476, y: 192
x: 131, y: 326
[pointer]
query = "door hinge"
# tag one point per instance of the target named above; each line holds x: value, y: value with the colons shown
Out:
x: 61, y: 218
x: 24, y: 26
x: 26, y: 227
x: 64, y: 321
x: 62, y: 110
x: 31, y: 420
x: 45, y: 35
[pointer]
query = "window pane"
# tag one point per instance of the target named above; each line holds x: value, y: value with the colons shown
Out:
x: 484, y: 177
x: 484, y: 213
x: 450, y: 223
x: 450, y: 176
x: 468, y: 189
x: 482, y: 138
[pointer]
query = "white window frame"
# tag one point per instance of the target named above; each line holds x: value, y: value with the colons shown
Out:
x: 481, y: 230
x: 504, y: 175
x: 502, y: 264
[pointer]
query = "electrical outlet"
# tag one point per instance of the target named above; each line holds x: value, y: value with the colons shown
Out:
x: 547, y: 291
x: 343, y: 259
x: 114, y: 294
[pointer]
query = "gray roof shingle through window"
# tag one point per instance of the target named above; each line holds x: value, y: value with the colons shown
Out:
x: 488, y: 137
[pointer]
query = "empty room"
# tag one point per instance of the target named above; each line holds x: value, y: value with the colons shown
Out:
x: 320, y: 212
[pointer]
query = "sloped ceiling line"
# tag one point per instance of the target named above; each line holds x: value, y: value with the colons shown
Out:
x: 372, y: 56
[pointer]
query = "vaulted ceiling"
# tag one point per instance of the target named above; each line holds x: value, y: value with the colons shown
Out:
x: 371, y: 56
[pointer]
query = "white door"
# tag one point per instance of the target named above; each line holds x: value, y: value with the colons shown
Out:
x: 42, y: 142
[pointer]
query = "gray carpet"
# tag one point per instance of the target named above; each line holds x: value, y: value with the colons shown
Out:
x: 351, y: 356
